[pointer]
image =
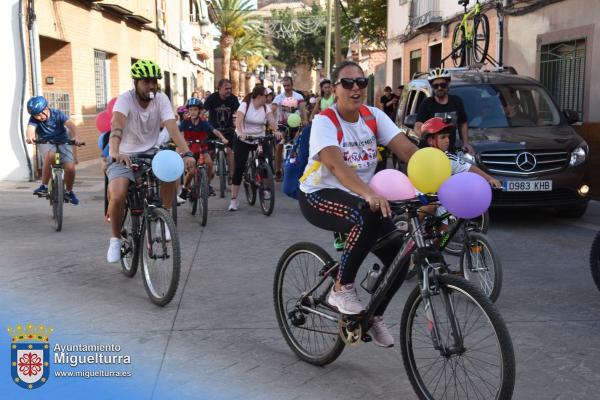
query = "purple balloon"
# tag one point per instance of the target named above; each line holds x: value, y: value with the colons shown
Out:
x: 466, y: 195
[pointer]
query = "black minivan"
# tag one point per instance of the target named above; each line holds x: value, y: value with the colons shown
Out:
x: 520, y: 137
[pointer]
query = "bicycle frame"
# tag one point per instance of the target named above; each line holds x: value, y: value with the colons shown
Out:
x: 464, y: 25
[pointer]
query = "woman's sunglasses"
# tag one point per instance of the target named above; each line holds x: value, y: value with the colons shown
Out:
x: 348, y: 83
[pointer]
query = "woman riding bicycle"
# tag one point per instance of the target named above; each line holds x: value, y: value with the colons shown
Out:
x: 332, y: 192
x: 325, y: 99
x: 251, y: 118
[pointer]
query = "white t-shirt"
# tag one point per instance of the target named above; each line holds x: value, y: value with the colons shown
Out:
x: 255, y: 119
x: 457, y: 164
x: 358, y: 147
x: 142, y: 128
x: 282, y: 113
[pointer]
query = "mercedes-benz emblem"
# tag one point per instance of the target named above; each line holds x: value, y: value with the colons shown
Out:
x: 526, y: 161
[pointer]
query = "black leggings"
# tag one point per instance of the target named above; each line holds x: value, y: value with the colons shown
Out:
x: 240, y: 156
x: 338, y: 211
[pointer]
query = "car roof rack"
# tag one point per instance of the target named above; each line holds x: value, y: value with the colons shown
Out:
x: 474, y: 68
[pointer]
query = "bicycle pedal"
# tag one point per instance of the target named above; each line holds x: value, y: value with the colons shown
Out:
x: 366, y: 338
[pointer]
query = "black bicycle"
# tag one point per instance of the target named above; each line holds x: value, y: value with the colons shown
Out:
x: 453, y: 340
x: 479, y: 261
x: 258, y: 175
x: 595, y: 260
x: 149, y: 233
x: 56, y: 187
x: 199, y: 186
x: 221, y: 165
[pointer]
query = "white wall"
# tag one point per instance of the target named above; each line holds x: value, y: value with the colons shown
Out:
x: 13, y: 162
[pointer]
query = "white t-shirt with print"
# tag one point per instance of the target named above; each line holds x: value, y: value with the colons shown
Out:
x: 142, y: 128
x: 255, y: 119
x: 282, y: 114
x: 358, y: 147
x: 457, y: 164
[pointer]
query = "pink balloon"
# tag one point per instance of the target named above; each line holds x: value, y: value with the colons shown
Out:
x: 110, y: 105
x: 103, y: 121
x: 393, y: 185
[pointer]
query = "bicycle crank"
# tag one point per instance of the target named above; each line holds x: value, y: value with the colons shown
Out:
x: 350, y: 338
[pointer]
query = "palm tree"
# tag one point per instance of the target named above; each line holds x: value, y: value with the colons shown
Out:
x: 251, y: 47
x: 232, y: 20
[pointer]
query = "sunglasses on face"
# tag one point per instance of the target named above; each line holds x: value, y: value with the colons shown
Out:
x: 348, y: 83
x: 443, y: 85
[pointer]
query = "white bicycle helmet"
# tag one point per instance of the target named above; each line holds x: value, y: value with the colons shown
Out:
x: 438, y: 73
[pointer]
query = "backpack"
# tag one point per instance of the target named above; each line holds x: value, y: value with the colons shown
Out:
x: 295, y: 164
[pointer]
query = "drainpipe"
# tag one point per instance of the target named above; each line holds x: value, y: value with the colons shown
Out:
x: 34, y: 47
x: 500, y: 34
x: 23, y: 90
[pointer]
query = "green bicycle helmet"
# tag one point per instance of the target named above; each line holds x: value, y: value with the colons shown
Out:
x: 145, y: 69
x: 438, y: 73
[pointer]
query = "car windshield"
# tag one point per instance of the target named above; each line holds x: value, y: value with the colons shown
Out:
x: 502, y: 106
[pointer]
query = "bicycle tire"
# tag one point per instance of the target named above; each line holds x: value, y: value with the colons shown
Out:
x: 484, y: 259
x: 130, y: 243
x: 267, y: 183
x: 174, y: 205
x: 162, y: 295
x: 456, y: 244
x: 413, y: 309
x: 458, y: 55
x: 291, y: 258
x: 203, y: 198
x: 58, y: 195
x: 480, y: 46
x: 192, y: 199
x: 222, y: 166
x: 249, y: 183
x: 595, y: 260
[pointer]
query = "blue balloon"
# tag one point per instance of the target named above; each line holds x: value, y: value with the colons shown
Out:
x: 167, y: 165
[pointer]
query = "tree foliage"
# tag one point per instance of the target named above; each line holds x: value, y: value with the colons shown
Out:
x: 373, y: 21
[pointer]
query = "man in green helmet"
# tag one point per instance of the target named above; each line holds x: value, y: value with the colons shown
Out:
x: 135, y: 127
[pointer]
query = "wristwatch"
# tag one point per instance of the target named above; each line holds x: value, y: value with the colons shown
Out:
x: 187, y: 154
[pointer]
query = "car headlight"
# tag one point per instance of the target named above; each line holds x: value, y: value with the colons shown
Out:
x: 579, y: 154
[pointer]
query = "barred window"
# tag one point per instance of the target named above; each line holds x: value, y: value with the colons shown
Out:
x: 102, y: 79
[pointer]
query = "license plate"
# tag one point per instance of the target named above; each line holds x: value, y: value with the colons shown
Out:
x: 527, y: 186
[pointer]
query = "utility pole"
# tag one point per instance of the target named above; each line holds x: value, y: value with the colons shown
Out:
x: 338, y: 33
x: 328, y: 40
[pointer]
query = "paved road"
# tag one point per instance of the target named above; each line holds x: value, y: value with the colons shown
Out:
x: 219, y: 338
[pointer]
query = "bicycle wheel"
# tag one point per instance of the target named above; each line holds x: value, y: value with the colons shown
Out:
x: 174, y: 205
x: 266, y: 190
x: 203, y: 196
x: 456, y: 245
x: 481, y: 38
x: 248, y: 181
x: 193, y: 194
x: 130, y: 250
x: 481, y: 265
x: 458, y: 47
x: 222, y: 171
x: 313, y: 337
x: 482, y: 368
x: 161, y: 257
x: 58, y: 199
x: 595, y: 260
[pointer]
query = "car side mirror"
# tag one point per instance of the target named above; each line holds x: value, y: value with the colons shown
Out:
x: 410, y: 121
x: 572, y: 116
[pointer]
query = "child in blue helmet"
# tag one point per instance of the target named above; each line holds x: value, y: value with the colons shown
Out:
x: 51, y: 124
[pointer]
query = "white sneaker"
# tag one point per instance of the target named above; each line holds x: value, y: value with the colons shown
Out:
x: 180, y: 200
x: 114, y: 251
x: 346, y: 300
x: 380, y: 333
x: 234, y: 204
x: 158, y: 233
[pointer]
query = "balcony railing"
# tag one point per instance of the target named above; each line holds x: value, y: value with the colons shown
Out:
x: 424, y: 12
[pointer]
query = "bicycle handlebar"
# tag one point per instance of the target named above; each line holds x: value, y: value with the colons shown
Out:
x: 52, y: 141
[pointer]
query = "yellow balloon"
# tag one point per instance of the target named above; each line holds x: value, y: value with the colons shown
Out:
x: 428, y: 168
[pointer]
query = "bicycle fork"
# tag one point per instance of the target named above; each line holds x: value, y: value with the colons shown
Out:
x: 151, y: 240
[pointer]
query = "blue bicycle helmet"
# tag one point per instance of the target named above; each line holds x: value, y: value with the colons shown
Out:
x: 36, y: 105
x: 194, y: 102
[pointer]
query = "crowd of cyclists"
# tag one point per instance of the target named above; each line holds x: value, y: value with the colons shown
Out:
x: 343, y: 154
